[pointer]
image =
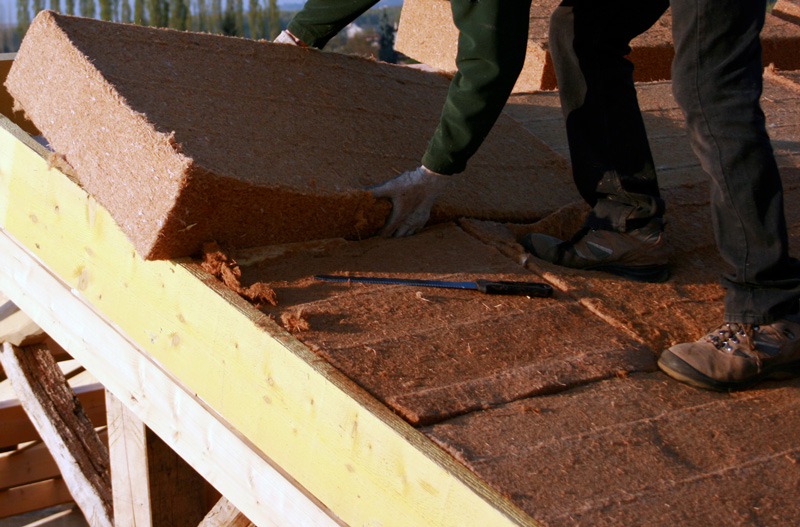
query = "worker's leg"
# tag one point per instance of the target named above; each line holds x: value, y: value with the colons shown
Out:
x: 320, y: 20
x: 717, y: 80
x: 492, y: 41
x: 611, y: 160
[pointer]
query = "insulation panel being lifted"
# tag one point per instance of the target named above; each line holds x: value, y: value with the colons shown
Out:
x: 188, y: 137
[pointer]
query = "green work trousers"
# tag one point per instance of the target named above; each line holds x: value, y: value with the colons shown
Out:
x: 492, y: 40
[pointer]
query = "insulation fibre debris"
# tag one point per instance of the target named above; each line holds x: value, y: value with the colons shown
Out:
x: 426, y: 33
x: 187, y: 138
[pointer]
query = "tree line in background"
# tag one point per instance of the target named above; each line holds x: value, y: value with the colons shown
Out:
x: 262, y: 20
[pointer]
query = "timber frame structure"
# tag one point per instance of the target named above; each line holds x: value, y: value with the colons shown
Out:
x: 283, y: 436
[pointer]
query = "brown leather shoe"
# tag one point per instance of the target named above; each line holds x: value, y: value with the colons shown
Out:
x: 639, y: 255
x: 734, y: 356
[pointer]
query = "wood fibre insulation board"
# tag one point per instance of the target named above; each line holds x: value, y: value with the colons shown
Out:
x: 284, y: 436
x: 640, y: 450
x: 189, y: 137
x: 427, y: 34
x: 431, y: 354
x: 788, y: 10
x: 692, y: 296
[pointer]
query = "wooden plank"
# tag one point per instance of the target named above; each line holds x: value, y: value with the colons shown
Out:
x: 27, y: 465
x: 17, y: 427
x: 64, y: 428
x: 33, y: 497
x: 335, y: 440
x: 128, y: 455
x: 67, y: 518
x: 17, y: 328
x: 186, y: 423
x: 30, y: 464
x: 224, y: 514
x: 152, y: 485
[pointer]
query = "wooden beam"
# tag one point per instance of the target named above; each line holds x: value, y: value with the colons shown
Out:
x: 63, y: 426
x: 222, y: 455
x: 153, y: 486
x: 224, y: 514
x: 17, y: 328
x: 33, y: 497
x: 17, y: 427
x: 203, y: 346
x: 127, y: 452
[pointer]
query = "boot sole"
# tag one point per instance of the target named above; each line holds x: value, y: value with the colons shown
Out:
x: 654, y: 274
x: 678, y: 369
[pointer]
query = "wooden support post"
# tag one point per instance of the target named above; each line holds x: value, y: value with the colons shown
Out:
x: 224, y: 514
x: 153, y: 486
x: 63, y: 426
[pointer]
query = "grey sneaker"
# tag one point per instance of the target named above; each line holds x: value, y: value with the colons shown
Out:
x: 639, y: 255
x: 734, y: 356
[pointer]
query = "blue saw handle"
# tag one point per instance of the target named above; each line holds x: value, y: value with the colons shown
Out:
x: 514, y: 288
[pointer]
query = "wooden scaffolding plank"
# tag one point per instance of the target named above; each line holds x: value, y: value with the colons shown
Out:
x: 69, y: 435
x: 17, y: 427
x: 33, y: 497
x: 30, y: 464
x: 336, y: 441
x: 27, y: 465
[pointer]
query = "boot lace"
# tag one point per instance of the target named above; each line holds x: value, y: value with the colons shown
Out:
x: 733, y: 337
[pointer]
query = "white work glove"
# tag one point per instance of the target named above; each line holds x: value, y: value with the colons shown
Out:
x: 412, y: 195
x: 287, y: 38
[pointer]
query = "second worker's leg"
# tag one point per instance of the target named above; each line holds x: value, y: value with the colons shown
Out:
x: 611, y: 160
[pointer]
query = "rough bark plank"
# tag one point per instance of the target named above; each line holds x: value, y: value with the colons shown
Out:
x: 224, y: 514
x: 17, y: 427
x: 64, y: 427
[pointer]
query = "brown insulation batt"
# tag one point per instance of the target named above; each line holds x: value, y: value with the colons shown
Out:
x: 189, y: 137
x: 427, y: 34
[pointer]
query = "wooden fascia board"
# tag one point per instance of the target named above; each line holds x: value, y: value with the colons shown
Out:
x: 347, y: 450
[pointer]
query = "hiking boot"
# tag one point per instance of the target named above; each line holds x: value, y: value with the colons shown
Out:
x: 734, y: 356
x: 640, y: 254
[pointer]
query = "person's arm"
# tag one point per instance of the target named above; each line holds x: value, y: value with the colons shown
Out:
x: 492, y: 41
x: 321, y: 20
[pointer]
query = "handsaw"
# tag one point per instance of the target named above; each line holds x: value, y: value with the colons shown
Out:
x: 489, y: 287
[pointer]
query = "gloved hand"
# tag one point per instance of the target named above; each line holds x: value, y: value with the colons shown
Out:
x: 412, y: 195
